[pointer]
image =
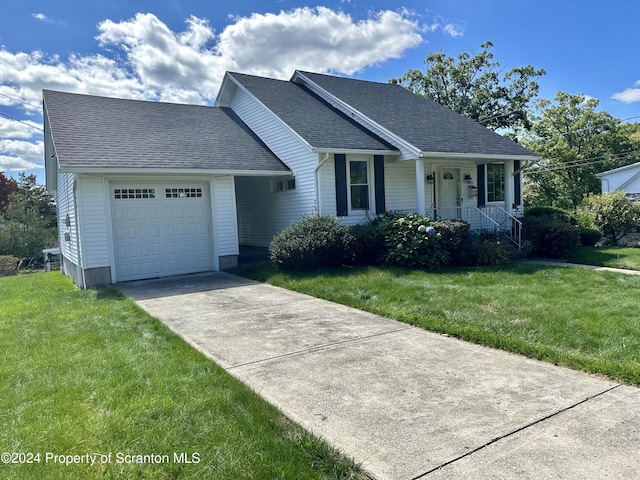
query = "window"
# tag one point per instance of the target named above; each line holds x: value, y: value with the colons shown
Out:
x: 359, y: 184
x: 282, y: 185
x: 495, y: 182
x: 126, y: 193
x: 183, y: 192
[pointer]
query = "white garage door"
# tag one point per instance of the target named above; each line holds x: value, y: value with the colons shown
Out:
x: 160, y: 230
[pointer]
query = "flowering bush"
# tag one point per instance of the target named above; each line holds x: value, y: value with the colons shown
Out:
x: 411, y: 241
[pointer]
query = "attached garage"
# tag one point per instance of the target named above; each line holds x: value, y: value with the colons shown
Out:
x: 160, y: 230
x: 146, y: 189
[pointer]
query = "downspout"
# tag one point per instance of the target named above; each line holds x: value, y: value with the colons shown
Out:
x: 316, y: 172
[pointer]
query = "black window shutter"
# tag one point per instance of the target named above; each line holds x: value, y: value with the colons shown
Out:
x: 517, y: 187
x: 481, y: 185
x: 378, y: 172
x: 340, y: 163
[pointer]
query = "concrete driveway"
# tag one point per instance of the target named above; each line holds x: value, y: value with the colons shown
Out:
x: 404, y: 402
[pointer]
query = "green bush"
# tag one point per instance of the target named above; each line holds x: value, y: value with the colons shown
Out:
x: 454, y: 234
x: 366, y: 244
x: 550, y: 236
x: 8, y: 265
x: 589, y: 236
x: 411, y: 241
x: 546, y: 211
x: 313, y: 242
x: 490, y: 252
x: 613, y: 214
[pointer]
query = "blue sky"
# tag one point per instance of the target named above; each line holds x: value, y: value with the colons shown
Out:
x: 178, y: 50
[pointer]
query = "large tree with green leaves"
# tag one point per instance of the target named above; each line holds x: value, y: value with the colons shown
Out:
x: 28, y: 223
x: 575, y: 142
x: 473, y: 85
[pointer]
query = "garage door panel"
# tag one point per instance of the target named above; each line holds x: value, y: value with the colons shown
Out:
x: 157, y: 234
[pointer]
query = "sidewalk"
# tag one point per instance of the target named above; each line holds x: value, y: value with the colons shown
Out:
x: 404, y: 402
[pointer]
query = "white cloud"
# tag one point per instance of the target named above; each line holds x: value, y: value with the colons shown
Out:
x: 20, y: 155
x: 142, y: 58
x: 630, y: 95
x: 23, y: 129
x: 453, y: 29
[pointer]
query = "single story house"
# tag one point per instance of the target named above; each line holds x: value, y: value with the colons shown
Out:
x: 148, y: 189
x: 625, y: 179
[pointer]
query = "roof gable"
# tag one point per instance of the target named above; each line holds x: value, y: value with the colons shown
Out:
x: 425, y: 124
x: 313, y: 119
x: 101, y: 133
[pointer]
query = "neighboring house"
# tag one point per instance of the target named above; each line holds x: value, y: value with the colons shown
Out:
x: 149, y: 189
x: 625, y: 179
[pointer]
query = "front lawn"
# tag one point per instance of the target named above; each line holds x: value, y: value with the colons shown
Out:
x: 88, y: 372
x: 617, y: 257
x: 579, y: 318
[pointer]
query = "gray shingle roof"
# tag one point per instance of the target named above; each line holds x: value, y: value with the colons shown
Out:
x: 423, y: 123
x: 92, y: 132
x: 317, y: 122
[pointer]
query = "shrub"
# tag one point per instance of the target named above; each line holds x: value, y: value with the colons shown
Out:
x: 589, y: 236
x: 490, y: 252
x: 313, y: 242
x: 550, y: 236
x: 454, y: 234
x: 546, y: 211
x: 8, y: 265
x: 366, y: 244
x: 411, y: 241
x: 612, y: 213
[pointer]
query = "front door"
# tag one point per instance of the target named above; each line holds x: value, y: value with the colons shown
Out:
x: 449, y: 207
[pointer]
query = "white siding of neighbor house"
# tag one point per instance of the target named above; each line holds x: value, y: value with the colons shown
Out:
x: 622, y: 180
x: 225, y: 230
x: 66, y: 204
x: 262, y: 213
x: 93, y: 212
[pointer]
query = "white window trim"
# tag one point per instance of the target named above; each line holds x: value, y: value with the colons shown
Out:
x: 370, y: 184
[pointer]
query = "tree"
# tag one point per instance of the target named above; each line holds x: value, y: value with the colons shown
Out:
x: 7, y: 187
x: 29, y: 222
x: 472, y: 87
x: 613, y: 214
x: 575, y: 142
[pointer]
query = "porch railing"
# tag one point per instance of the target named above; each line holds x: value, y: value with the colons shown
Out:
x: 490, y: 218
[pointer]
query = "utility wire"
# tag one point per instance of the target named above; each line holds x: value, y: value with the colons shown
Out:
x: 20, y: 101
x: 23, y: 122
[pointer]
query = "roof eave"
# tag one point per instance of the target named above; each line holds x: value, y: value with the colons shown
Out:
x: 478, y: 156
x: 357, y: 151
x: 174, y: 171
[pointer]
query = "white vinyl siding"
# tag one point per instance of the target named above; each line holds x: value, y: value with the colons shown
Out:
x: 92, y: 209
x: 224, y: 224
x: 400, y: 186
x: 262, y: 213
x: 66, y: 204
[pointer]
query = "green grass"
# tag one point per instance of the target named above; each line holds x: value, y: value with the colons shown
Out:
x: 579, y: 318
x: 617, y: 257
x: 89, y: 372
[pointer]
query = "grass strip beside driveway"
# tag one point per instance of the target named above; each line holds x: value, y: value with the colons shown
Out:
x: 574, y: 317
x: 87, y: 371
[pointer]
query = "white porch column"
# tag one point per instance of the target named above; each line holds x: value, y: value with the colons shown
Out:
x: 508, y: 186
x: 420, y: 187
